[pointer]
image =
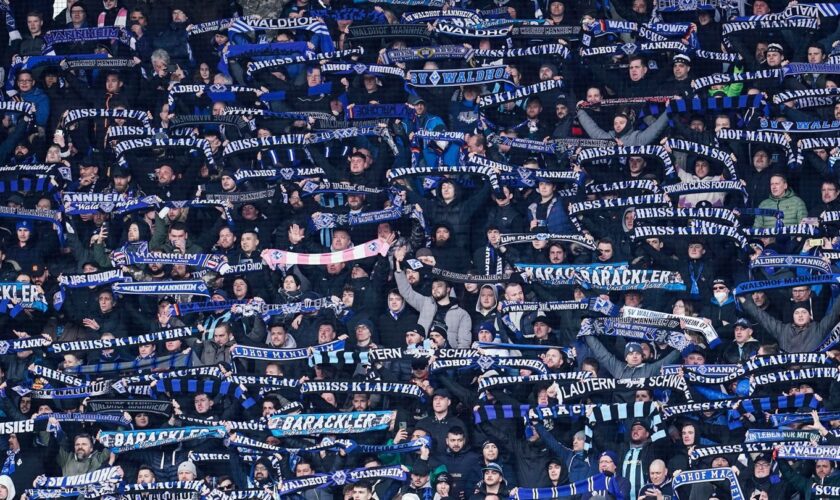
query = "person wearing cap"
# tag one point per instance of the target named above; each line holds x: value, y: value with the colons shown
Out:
x: 781, y: 198
x: 494, y: 482
x: 438, y: 306
x: 548, y: 211
x: 636, y: 453
x: 418, y: 485
x: 441, y: 421
x: 438, y: 336
x: 434, y: 153
x: 679, y: 83
x: 698, y: 272
x: 744, y: 346
x: 800, y: 335
x: 721, y: 308
x: 760, y: 481
x: 443, y: 486
x: 533, y: 127
x: 633, y: 365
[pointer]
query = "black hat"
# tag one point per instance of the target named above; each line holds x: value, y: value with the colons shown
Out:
x: 120, y: 172
x: 419, y: 330
x: 720, y: 281
x: 442, y: 392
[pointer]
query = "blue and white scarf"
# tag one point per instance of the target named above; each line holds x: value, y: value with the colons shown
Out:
x: 141, y: 255
x: 194, y: 287
x: 149, y: 338
x: 266, y: 354
x: 123, y: 441
x: 598, y: 483
x: 458, y: 77
x: 98, y: 477
x: 330, y: 423
x: 708, y: 476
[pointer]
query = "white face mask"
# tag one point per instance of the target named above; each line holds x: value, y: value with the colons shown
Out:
x: 720, y: 296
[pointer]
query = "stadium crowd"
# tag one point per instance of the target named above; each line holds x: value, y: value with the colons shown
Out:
x: 420, y: 250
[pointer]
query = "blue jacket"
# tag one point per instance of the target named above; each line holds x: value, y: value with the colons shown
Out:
x: 577, y: 463
x: 558, y: 220
x: 42, y: 104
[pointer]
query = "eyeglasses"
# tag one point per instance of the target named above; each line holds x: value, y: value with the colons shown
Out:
x: 28, y: 80
x: 718, y: 288
x: 226, y: 486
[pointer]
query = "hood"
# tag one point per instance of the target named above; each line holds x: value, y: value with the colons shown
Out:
x: 624, y: 217
x: 493, y: 288
x: 455, y: 185
x: 10, y: 486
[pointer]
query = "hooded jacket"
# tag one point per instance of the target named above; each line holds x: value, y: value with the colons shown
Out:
x: 620, y: 369
x: 458, y: 322
x: 628, y: 136
x: 457, y: 213
x: 794, y: 338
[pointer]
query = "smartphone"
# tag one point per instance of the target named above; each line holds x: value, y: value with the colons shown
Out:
x: 403, y: 426
x: 171, y: 68
x: 815, y: 242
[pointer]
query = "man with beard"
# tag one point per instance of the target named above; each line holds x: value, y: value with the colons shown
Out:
x: 439, y: 307
x: 83, y: 458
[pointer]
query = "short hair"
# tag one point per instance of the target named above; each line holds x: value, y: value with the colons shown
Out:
x: 363, y: 485
x: 816, y: 45
x: 178, y: 226
x: 780, y: 176
x: 607, y: 241
x: 35, y: 13
x: 161, y: 55
x: 639, y: 58
x: 148, y: 468
x: 457, y: 431
x: 83, y: 435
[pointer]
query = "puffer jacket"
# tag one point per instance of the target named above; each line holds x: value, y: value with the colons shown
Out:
x: 792, y: 206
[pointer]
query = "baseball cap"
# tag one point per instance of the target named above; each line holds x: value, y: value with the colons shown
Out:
x: 743, y: 322
x: 494, y: 467
x: 37, y: 270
